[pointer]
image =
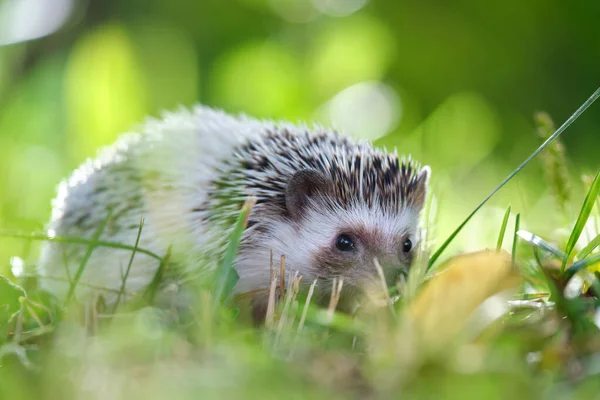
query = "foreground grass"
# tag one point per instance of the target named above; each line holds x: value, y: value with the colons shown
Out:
x: 491, y: 325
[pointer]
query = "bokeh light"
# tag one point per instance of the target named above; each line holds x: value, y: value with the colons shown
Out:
x: 348, y: 51
x: 104, y: 90
x: 22, y: 20
x: 259, y: 78
x: 339, y: 8
x: 367, y: 110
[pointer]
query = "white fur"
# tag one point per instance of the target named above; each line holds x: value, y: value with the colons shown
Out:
x: 184, y: 149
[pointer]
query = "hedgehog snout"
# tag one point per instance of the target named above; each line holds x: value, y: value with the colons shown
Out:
x: 391, y: 263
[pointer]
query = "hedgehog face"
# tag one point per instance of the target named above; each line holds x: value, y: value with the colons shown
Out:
x: 323, y: 237
x: 348, y: 237
x: 345, y: 242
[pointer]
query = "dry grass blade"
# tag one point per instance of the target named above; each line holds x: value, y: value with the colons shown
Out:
x: 384, y: 287
x: 311, y: 291
x: 300, y: 327
x: 271, y: 262
x: 336, y: 291
x: 282, y: 277
x: 271, y: 303
x: 289, y: 297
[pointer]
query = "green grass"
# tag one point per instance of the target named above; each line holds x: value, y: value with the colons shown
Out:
x: 542, y: 341
x: 584, y: 214
x: 503, y: 228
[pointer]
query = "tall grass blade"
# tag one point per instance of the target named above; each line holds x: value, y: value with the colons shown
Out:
x: 87, y: 257
x: 152, y: 289
x: 384, y: 287
x: 553, y: 137
x: 503, y: 229
x: 586, y: 209
x: 591, y: 246
x: 515, y: 238
x: 126, y: 274
x: 76, y: 240
x: 226, y: 276
x: 306, y: 304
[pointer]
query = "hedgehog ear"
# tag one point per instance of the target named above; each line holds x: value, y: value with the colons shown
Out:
x: 420, y: 191
x: 302, y: 185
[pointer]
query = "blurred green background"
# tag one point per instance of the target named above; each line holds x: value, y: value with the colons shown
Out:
x: 453, y: 83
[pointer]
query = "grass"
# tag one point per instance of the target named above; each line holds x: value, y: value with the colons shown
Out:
x: 510, y: 176
x: 503, y: 229
x: 586, y: 209
x: 490, y: 325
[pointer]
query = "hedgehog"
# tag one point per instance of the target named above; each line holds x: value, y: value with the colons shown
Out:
x: 330, y: 205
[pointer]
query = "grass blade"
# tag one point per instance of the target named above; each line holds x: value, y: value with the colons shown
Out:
x: 503, y: 229
x: 76, y: 240
x: 86, y: 258
x: 126, y: 275
x: 540, y: 243
x: 586, y: 209
x: 152, y: 289
x: 306, y: 304
x: 581, y: 264
x: 226, y: 276
x: 384, y: 287
x: 595, y: 242
x: 515, y: 238
x: 552, y: 138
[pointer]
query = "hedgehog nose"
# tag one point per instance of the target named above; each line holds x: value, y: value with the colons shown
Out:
x: 391, y: 266
x: 389, y: 260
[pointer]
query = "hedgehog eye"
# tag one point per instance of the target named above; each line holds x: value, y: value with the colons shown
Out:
x: 407, y: 246
x: 344, y: 243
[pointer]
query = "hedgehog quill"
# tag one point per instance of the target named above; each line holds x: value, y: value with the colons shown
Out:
x: 330, y: 205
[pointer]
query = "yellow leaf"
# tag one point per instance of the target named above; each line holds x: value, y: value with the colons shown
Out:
x: 443, y: 308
